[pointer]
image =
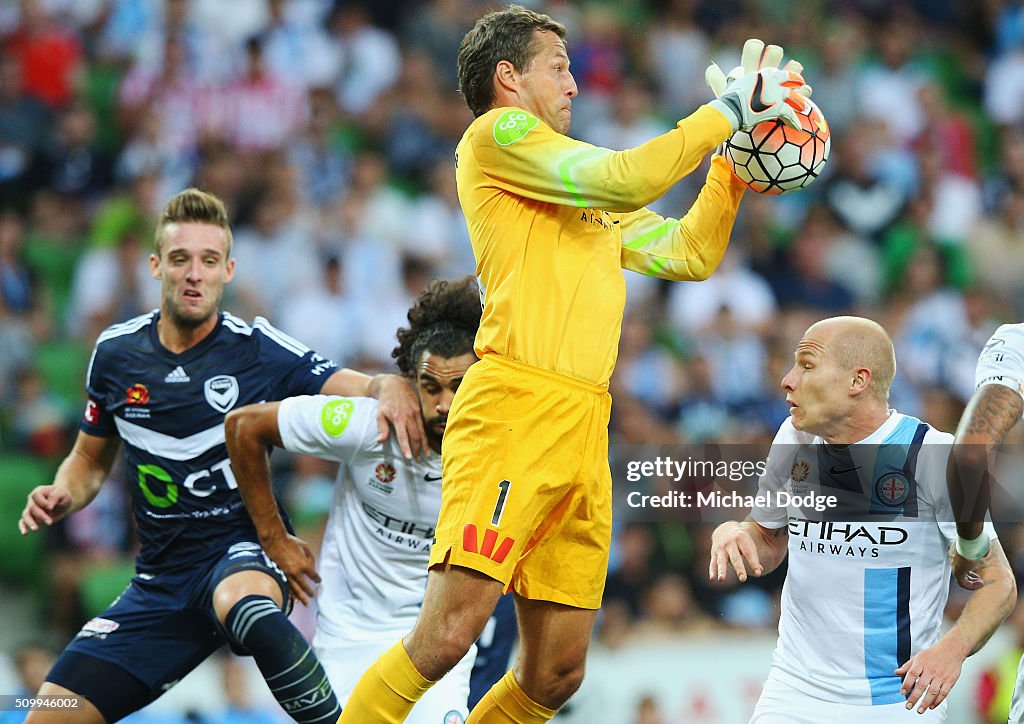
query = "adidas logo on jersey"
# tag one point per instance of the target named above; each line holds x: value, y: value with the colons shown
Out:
x: 177, y: 375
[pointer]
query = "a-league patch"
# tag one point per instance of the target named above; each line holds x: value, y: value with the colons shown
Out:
x: 513, y: 125
x: 336, y: 415
x: 892, y: 489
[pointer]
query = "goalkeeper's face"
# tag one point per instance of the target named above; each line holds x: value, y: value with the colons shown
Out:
x: 546, y: 88
x: 193, y: 267
x: 437, y: 379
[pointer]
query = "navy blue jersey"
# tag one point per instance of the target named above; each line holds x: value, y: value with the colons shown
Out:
x: 169, y: 410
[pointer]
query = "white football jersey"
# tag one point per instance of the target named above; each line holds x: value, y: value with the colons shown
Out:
x: 1002, y: 360
x: 373, y: 562
x: 860, y: 598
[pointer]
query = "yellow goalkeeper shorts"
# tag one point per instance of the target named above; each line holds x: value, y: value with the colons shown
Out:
x: 526, y: 497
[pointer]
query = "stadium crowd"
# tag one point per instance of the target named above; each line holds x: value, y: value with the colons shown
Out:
x: 329, y: 131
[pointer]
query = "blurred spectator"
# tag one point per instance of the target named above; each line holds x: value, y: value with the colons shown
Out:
x: 1004, y: 85
x: 694, y: 308
x: 438, y: 231
x: 297, y: 49
x: 811, y: 282
x: 996, y: 250
x: 24, y: 128
x: 323, y: 316
x: 408, y: 119
x: 112, y: 281
x: 260, y: 110
x: 321, y: 160
x: 947, y: 132
x: 53, y: 246
x: 436, y: 28
x: 863, y: 200
x: 678, y: 53
x: 934, y: 322
x: 50, y: 55
x: 276, y: 256
x: 371, y: 62
x: 835, y: 77
x: 44, y: 423
x: 166, y: 95
x: 72, y: 163
x: 895, y: 73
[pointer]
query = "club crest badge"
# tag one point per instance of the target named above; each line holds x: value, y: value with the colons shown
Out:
x: 221, y: 392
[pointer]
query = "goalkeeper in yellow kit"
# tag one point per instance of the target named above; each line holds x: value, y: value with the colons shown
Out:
x: 526, y: 497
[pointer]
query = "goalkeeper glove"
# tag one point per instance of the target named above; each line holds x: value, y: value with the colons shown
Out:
x: 779, y: 93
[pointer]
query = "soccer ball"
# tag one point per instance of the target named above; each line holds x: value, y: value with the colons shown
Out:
x: 772, y: 158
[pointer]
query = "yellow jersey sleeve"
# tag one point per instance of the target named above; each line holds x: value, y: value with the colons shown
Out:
x: 524, y: 156
x: 687, y: 249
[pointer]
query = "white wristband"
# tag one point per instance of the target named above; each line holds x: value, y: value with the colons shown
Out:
x: 973, y: 549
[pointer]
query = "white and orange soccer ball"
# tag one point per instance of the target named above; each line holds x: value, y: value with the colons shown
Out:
x: 772, y: 158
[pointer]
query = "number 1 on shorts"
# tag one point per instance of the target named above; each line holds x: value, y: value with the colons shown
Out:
x: 499, y: 507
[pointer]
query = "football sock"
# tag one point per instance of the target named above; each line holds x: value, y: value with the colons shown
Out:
x: 387, y: 691
x: 507, y: 703
x: 292, y: 670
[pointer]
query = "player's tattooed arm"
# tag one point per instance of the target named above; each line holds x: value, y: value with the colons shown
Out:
x: 747, y: 543
x: 990, y: 415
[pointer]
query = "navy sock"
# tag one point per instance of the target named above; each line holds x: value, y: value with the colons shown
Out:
x: 287, y: 662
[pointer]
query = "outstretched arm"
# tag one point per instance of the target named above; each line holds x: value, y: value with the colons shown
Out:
x: 929, y: 675
x: 78, y: 480
x: 249, y: 431
x: 742, y: 543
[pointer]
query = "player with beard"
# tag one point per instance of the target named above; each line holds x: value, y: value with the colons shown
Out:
x: 161, y: 384
x: 381, y: 525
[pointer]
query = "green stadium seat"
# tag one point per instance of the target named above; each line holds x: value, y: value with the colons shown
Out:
x: 20, y: 556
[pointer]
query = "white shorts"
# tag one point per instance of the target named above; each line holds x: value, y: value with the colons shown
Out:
x: 780, y: 703
x: 346, y: 661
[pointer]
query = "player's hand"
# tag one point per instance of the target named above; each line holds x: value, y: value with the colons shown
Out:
x: 965, y: 571
x: 295, y: 559
x: 398, y: 407
x: 46, y: 505
x: 929, y: 675
x: 732, y: 544
x: 755, y: 57
x: 756, y: 90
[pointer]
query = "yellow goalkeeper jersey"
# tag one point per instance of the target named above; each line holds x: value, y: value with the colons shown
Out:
x: 553, y: 221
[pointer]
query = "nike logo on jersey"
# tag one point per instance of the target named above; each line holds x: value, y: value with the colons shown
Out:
x: 756, y: 104
x: 177, y: 375
x: 431, y: 478
x: 840, y: 471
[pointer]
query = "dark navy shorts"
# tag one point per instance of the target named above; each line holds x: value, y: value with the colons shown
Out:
x: 160, y: 628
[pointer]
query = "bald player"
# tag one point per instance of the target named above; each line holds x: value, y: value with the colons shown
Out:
x: 863, y: 599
